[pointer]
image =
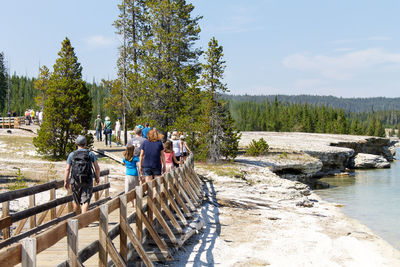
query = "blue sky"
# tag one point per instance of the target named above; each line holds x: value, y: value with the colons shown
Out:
x: 320, y: 47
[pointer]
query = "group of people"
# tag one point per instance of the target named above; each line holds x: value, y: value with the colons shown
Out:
x: 31, y: 115
x: 106, y: 129
x: 145, y: 158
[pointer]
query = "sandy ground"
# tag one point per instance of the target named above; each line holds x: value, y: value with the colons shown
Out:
x: 260, y: 219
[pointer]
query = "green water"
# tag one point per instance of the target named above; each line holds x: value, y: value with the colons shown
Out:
x: 372, y: 197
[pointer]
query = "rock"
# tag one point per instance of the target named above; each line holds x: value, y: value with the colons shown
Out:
x: 305, y: 202
x: 368, y: 161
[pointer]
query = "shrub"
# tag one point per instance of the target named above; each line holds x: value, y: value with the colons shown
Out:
x: 19, y: 182
x: 257, y: 148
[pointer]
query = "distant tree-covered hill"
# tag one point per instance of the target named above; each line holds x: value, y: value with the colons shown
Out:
x: 348, y: 104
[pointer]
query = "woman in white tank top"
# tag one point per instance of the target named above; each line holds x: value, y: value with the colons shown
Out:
x: 177, y: 147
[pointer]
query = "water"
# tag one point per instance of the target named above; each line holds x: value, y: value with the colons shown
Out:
x: 372, y: 197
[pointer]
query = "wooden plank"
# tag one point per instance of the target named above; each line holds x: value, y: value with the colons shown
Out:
x: 107, y: 191
x: 150, y: 199
x: 175, y: 206
x: 137, y: 244
x: 116, y: 258
x: 61, y: 209
x: 161, y: 220
x: 5, y: 222
x: 33, y: 210
x: 123, y: 241
x: 72, y: 240
x: 11, y: 195
x: 139, y: 219
x: 20, y: 227
x: 191, y: 194
x: 131, y: 195
x: 178, y: 198
x: 103, y: 232
x: 32, y: 219
x: 11, y: 256
x: 51, y: 236
x: 28, y: 252
x: 5, y: 214
x: 196, y: 187
x: 182, y: 191
x: 87, y: 218
x: 42, y: 217
x: 160, y: 243
x: 170, y: 216
x: 113, y: 204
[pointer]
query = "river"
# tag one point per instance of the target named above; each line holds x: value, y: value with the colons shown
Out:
x: 372, y: 197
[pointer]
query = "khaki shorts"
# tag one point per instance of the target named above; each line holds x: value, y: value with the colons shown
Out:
x: 131, y: 182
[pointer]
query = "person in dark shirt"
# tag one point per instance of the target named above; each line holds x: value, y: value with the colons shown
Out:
x: 152, y: 160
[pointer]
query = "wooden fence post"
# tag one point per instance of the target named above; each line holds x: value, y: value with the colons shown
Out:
x: 53, y: 197
x: 6, y: 212
x: 70, y: 208
x: 122, y: 234
x: 139, y: 220
x: 32, y: 219
x: 107, y: 191
x: 103, y: 234
x: 28, y: 252
x: 72, y: 237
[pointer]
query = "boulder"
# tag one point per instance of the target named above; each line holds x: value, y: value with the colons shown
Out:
x: 369, y: 161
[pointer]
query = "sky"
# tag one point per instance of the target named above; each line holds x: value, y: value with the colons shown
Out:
x: 319, y: 47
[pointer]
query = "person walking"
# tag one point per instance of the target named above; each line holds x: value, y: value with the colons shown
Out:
x: 98, y: 125
x: 185, y: 149
x: 169, y: 154
x: 80, y: 164
x: 146, y: 130
x: 118, y: 131
x: 152, y: 160
x: 131, y: 174
x: 177, y: 147
x: 107, y: 130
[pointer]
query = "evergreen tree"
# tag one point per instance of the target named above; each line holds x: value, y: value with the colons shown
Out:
x: 3, y: 83
x: 219, y: 135
x: 68, y: 107
x: 379, y: 129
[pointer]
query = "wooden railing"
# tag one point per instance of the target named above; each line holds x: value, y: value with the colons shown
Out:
x: 44, y: 219
x: 165, y: 208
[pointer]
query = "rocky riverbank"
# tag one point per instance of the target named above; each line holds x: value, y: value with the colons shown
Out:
x: 256, y: 218
x: 334, y: 154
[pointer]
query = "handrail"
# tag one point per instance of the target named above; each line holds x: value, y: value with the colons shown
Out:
x: 173, y: 197
x: 8, y: 219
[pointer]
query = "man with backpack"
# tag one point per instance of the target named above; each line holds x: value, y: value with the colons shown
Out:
x: 80, y: 164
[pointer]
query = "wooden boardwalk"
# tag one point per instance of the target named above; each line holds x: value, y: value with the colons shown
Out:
x: 164, y: 217
x: 59, y: 253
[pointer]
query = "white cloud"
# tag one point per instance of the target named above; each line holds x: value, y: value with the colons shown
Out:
x: 343, y: 49
x: 344, y: 66
x: 99, y: 41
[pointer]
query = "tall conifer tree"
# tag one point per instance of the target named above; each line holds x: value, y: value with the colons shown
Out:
x: 3, y: 83
x: 68, y: 107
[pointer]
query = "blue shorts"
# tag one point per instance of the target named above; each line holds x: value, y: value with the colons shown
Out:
x: 151, y: 172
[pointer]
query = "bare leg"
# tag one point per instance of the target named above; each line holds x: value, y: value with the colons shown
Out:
x: 77, y: 208
x: 85, y: 207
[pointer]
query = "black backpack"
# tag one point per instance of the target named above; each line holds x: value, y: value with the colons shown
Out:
x: 81, y: 167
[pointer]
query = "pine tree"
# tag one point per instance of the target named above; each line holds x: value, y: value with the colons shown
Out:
x: 68, y: 107
x: 379, y: 129
x: 3, y: 83
x: 220, y: 141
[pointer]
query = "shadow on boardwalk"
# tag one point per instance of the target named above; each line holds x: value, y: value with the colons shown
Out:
x: 198, y: 250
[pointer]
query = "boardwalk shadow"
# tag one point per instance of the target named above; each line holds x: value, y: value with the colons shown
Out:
x: 198, y: 250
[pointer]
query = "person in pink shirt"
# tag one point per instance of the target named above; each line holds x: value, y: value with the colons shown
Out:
x: 169, y: 156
